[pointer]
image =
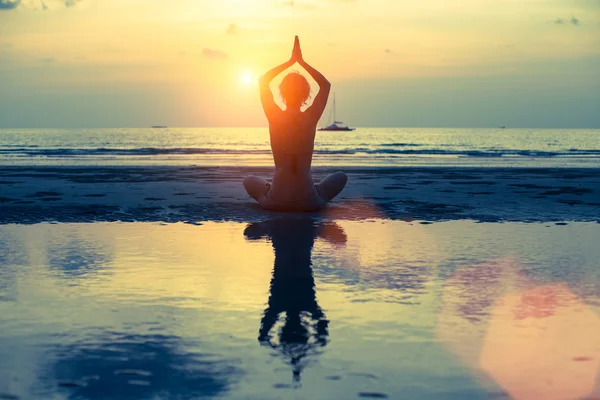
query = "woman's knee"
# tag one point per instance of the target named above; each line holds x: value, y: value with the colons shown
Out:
x: 341, y: 177
x: 337, y: 180
x: 255, y: 186
x: 332, y: 185
x: 251, y: 182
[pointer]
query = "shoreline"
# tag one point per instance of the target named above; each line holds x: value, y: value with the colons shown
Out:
x: 36, y: 194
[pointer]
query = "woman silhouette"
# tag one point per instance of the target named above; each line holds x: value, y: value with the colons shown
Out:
x: 292, y: 133
x: 304, y: 327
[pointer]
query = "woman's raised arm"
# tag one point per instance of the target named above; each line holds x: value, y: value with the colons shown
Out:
x: 318, y: 105
x: 271, y: 109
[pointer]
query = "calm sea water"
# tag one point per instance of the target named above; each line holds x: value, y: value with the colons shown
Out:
x: 250, y: 146
x: 299, y: 309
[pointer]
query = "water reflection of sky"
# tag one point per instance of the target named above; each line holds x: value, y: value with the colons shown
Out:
x: 117, y: 365
x: 448, y: 310
x: 13, y: 254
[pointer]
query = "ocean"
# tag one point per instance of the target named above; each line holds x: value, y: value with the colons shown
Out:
x: 378, y: 147
x: 166, y: 280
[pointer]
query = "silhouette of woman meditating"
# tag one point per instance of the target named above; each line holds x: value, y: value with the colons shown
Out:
x: 292, y: 133
x: 293, y: 321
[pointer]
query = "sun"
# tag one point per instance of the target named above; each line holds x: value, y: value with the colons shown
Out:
x: 247, y: 78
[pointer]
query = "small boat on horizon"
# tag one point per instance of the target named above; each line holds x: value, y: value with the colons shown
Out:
x: 158, y: 126
x: 336, y: 125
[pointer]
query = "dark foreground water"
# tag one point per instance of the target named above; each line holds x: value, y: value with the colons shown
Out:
x: 295, y: 308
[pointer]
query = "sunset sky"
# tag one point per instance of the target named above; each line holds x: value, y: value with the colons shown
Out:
x: 429, y: 63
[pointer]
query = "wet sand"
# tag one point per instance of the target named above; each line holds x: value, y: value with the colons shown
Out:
x: 196, y: 194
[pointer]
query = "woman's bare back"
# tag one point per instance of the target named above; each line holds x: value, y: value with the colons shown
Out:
x: 292, y: 134
x: 292, y: 144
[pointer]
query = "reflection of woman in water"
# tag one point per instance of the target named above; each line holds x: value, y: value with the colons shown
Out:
x: 304, y: 328
x: 292, y: 135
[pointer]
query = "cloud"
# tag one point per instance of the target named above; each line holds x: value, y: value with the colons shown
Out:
x: 9, y: 4
x: 37, y: 4
x: 232, y: 29
x: 387, y: 51
x: 213, y: 53
x: 71, y: 3
x: 562, y: 21
x: 296, y: 4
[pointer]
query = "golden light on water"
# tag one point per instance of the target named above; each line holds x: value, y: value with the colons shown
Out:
x: 533, y: 341
x: 542, y: 343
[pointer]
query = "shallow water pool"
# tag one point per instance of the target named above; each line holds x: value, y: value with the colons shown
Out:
x: 300, y: 308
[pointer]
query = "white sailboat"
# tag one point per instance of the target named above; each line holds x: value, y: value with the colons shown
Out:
x: 336, y: 125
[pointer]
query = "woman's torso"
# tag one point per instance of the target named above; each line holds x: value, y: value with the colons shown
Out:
x: 292, y: 144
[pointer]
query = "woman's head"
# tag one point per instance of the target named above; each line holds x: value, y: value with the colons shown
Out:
x: 294, y: 90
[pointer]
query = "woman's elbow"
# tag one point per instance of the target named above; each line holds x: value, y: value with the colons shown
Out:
x: 263, y: 80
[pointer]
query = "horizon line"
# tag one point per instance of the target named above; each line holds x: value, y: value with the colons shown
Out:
x: 267, y: 127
